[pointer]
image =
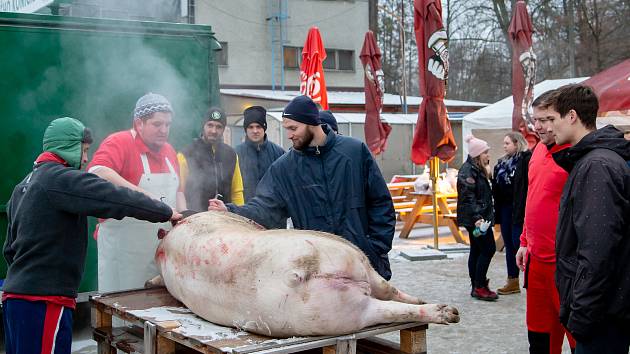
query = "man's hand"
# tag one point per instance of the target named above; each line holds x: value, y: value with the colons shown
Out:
x: 478, y: 222
x: 521, y: 255
x: 176, y: 216
x: 216, y: 205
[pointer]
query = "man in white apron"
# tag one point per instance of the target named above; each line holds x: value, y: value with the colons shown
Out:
x: 140, y: 159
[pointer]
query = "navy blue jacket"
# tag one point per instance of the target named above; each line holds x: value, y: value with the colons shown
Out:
x: 336, y: 188
x: 254, y: 160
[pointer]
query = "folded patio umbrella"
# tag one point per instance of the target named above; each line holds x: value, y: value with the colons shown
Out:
x: 433, y: 136
x: 523, y: 71
x: 376, y: 130
x: 312, y: 83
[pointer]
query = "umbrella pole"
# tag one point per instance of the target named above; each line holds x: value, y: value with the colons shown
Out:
x: 434, y: 171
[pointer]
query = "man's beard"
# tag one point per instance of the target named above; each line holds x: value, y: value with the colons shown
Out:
x: 305, y: 142
x: 210, y: 139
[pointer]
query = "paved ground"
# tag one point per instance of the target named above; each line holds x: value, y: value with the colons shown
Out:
x: 485, y: 327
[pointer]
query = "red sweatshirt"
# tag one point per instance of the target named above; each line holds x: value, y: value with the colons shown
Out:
x: 546, y: 180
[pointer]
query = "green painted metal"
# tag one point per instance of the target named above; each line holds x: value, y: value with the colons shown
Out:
x: 95, y: 70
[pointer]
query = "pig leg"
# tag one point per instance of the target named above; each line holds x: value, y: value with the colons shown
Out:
x: 383, y: 290
x: 388, y: 311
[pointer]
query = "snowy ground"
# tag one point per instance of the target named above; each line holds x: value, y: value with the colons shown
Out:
x: 485, y: 327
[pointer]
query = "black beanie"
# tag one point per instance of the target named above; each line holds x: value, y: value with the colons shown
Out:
x: 302, y: 109
x: 255, y: 114
x: 216, y: 114
x: 327, y: 118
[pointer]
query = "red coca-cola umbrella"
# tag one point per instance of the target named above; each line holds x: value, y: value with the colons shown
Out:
x: 523, y: 71
x: 376, y: 131
x: 612, y: 87
x: 433, y: 136
x: 312, y: 83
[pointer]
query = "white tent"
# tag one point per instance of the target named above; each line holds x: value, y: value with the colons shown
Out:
x: 499, y: 115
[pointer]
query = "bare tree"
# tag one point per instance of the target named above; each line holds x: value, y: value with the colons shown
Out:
x: 572, y: 38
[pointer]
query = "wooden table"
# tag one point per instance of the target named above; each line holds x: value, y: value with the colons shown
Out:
x: 446, y: 215
x: 163, y: 325
x: 400, y: 188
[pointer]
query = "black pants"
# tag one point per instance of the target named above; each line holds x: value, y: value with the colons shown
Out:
x: 609, y: 338
x: 482, y: 248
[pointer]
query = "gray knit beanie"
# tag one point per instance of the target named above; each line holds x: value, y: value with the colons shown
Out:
x: 151, y: 103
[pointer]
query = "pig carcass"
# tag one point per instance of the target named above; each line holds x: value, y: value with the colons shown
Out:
x: 281, y: 283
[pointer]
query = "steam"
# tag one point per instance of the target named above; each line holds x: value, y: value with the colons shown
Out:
x: 117, y: 77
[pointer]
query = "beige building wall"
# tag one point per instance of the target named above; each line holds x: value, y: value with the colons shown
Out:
x: 243, y: 25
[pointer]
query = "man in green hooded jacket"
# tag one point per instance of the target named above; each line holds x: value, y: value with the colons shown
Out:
x: 47, y: 236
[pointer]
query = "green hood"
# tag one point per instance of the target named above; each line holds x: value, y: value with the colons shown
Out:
x: 63, y: 137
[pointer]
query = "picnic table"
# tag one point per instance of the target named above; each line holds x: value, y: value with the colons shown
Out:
x: 422, y: 212
x: 400, y: 189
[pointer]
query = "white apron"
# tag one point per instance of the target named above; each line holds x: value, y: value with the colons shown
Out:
x: 126, y: 248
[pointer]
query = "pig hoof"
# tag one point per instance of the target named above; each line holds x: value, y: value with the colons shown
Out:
x: 154, y: 282
x: 447, y: 314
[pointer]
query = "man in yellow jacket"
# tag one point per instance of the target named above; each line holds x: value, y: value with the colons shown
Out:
x: 209, y: 167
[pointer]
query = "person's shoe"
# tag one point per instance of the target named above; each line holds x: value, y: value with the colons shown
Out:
x: 511, y: 287
x: 484, y: 294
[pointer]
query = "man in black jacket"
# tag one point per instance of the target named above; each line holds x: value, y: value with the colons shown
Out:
x: 593, y: 235
x: 327, y: 182
x: 209, y: 167
x: 256, y: 153
x: 47, y: 238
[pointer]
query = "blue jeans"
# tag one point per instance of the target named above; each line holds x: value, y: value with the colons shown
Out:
x: 511, y: 235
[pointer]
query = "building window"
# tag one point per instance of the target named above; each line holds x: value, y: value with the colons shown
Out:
x: 339, y: 59
x: 336, y: 59
x: 292, y: 56
x: 222, y: 54
x: 345, y: 59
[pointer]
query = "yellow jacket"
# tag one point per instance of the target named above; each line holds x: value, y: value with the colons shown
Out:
x: 237, y: 180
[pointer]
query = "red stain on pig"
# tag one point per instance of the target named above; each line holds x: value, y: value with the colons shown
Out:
x: 224, y: 248
x: 160, y: 254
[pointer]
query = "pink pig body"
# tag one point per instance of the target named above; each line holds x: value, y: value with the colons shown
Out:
x: 280, y: 283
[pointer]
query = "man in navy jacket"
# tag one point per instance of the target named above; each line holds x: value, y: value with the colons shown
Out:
x: 256, y: 153
x: 328, y: 183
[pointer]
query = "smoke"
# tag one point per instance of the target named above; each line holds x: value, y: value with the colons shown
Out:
x: 118, y: 72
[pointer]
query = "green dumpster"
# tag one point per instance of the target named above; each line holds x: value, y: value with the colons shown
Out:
x: 94, y: 70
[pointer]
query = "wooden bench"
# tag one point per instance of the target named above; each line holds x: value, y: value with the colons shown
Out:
x: 400, y: 198
x: 400, y: 188
x: 404, y: 208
